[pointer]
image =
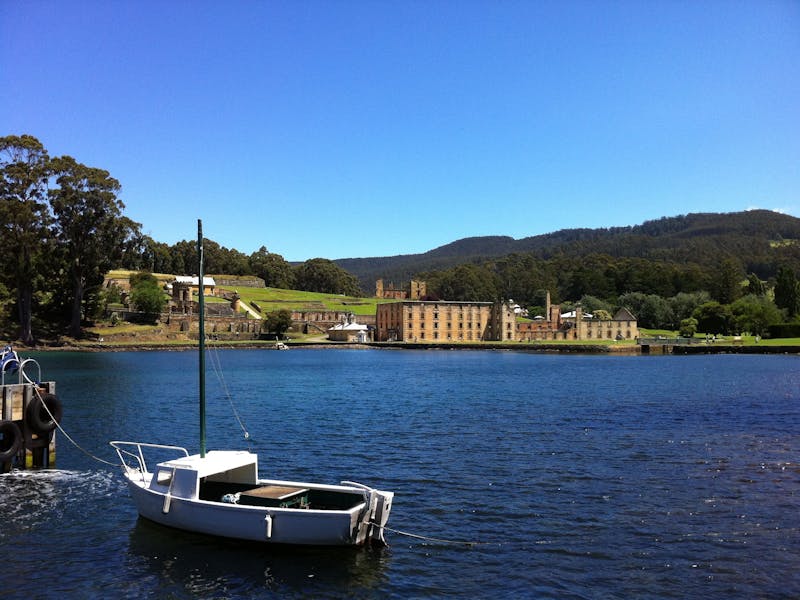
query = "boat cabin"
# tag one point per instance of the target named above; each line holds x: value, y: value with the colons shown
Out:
x: 182, y: 477
x: 232, y: 477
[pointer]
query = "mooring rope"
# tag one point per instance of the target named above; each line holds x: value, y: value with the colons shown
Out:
x: 433, y: 539
x: 35, y: 387
x: 217, y: 366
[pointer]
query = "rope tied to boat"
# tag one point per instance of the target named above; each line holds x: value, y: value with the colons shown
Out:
x: 35, y: 387
x: 433, y: 539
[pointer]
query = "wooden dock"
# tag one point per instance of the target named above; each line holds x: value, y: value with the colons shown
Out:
x: 29, y: 414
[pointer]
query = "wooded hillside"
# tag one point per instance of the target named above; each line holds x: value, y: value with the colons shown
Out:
x: 757, y: 241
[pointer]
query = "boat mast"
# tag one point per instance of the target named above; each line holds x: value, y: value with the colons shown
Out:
x: 202, y: 345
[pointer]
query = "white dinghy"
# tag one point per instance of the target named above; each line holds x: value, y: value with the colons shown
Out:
x: 219, y: 493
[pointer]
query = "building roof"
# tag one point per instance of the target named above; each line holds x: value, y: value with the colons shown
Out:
x: 349, y: 327
x: 571, y: 315
x: 623, y: 314
x: 192, y: 280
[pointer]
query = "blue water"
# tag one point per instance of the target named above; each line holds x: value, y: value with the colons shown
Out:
x: 575, y: 476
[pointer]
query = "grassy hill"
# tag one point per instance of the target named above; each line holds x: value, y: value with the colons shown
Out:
x: 269, y: 299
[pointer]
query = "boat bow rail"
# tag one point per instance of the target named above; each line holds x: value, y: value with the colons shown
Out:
x: 133, y: 459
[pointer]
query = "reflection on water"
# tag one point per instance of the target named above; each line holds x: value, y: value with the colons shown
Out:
x: 181, y: 563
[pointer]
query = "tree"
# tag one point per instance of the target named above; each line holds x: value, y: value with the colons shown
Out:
x: 683, y: 304
x: 787, y: 291
x: 277, y: 322
x: 594, y: 305
x: 688, y: 327
x: 24, y: 218
x: 184, y: 258
x: 146, y: 295
x: 727, y: 283
x: 90, y: 231
x: 713, y: 317
x: 755, y: 314
x: 272, y: 268
x: 755, y: 286
x: 652, y: 311
x: 468, y: 283
x: 323, y: 275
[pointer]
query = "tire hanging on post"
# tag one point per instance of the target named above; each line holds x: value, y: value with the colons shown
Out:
x: 39, y: 411
x: 10, y: 440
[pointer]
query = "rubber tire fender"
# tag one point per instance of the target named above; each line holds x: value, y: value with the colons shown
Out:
x: 8, y: 449
x: 36, y: 416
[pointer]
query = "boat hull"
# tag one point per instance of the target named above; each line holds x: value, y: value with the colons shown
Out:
x: 271, y: 525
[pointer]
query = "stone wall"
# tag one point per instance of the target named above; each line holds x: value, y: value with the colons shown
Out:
x: 220, y: 326
x: 325, y: 319
x: 254, y: 282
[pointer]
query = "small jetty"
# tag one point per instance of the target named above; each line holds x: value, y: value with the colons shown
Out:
x: 30, y: 412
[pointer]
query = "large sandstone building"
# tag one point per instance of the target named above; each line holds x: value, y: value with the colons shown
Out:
x: 440, y: 321
x: 445, y: 321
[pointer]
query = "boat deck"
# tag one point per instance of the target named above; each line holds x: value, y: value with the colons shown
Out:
x: 281, y: 496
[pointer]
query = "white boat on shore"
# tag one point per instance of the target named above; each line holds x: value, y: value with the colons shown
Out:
x: 219, y: 493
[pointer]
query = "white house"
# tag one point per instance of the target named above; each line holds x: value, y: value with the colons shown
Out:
x: 208, y: 282
x: 349, y: 331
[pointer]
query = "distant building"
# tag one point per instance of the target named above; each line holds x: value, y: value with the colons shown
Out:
x: 577, y: 325
x: 192, y: 282
x: 623, y: 326
x: 416, y: 290
x: 440, y: 321
x: 182, y: 289
x: 349, y: 331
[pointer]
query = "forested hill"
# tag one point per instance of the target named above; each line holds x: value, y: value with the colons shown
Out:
x: 759, y: 240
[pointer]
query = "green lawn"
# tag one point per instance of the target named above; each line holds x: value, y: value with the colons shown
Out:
x: 727, y: 339
x: 270, y: 299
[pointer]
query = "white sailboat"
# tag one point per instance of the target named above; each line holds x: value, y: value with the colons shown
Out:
x: 219, y: 493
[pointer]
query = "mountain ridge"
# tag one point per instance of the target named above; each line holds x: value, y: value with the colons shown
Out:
x: 695, y: 237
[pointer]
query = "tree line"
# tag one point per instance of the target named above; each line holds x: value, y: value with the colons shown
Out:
x: 63, y: 228
x: 661, y: 294
x: 313, y: 275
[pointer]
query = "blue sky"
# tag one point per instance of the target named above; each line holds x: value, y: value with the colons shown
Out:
x: 345, y: 129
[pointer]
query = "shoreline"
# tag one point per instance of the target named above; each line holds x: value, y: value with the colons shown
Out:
x: 535, y: 348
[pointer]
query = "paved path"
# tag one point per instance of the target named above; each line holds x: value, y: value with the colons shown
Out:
x: 251, y: 311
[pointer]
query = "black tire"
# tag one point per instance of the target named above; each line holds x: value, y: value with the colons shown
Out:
x: 36, y: 415
x: 11, y: 440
